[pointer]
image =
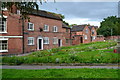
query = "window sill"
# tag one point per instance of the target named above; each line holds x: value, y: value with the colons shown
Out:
x: 46, y: 43
x: 3, y: 32
x: 55, y: 44
x: 30, y: 30
x: 30, y: 44
x: 3, y: 50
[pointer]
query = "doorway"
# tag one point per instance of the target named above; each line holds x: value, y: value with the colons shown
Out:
x: 40, y: 43
x: 59, y: 42
x: 81, y: 39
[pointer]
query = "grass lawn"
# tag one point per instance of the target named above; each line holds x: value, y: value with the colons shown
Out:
x: 83, y: 53
x: 61, y: 73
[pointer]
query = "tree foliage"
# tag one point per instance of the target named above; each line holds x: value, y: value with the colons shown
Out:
x: 110, y: 26
x: 24, y: 7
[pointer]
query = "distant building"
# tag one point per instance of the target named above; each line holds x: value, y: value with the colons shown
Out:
x: 85, y: 34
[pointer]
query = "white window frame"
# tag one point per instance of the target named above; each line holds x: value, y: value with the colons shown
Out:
x: 18, y: 12
x: 55, y: 40
x: 86, y: 30
x: 5, y: 24
x: 29, y: 23
x: 94, y: 37
x: 85, y: 36
x: 46, y: 39
x: 44, y: 29
x: 32, y: 41
x: 1, y: 46
x: 55, y: 29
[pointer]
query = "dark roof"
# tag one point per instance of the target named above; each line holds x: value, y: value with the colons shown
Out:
x: 65, y: 26
x: 90, y: 27
x: 78, y: 28
x: 46, y: 14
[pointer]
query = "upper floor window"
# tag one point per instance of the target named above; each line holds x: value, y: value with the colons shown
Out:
x: 85, y: 36
x: 18, y: 12
x: 30, y: 40
x: 30, y: 26
x: 3, y: 45
x: 86, y: 30
x: 46, y: 28
x: 3, y: 25
x: 46, y: 40
x: 55, y: 29
x: 55, y: 40
x: 92, y: 32
x: 67, y: 30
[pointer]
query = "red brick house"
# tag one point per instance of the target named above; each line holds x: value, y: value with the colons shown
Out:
x: 80, y: 34
x: 85, y: 34
x: 45, y: 30
x: 93, y: 33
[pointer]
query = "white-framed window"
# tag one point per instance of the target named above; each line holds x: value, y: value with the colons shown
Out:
x: 92, y: 32
x: 46, y: 28
x: 4, y: 9
x: 85, y: 36
x: 86, y: 30
x: 3, y: 45
x: 30, y: 40
x: 3, y: 25
x: 18, y: 12
x: 45, y: 40
x: 55, y: 29
x: 94, y: 37
x: 55, y: 40
x: 30, y: 26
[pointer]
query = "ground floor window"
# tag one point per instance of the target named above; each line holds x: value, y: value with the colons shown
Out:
x: 46, y: 40
x: 55, y: 40
x: 93, y: 37
x: 3, y: 45
x: 67, y: 41
x: 85, y: 36
x: 30, y: 40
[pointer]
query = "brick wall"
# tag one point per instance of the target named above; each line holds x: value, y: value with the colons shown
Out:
x: 88, y: 40
x: 39, y: 22
x: 14, y: 29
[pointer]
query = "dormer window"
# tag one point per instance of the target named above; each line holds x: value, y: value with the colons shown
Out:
x: 55, y: 29
x: 30, y: 26
x: 46, y: 28
x: 3, y: 25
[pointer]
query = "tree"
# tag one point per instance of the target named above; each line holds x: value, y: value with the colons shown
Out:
x: 109, y: 26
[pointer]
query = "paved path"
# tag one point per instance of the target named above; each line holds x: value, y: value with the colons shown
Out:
x: 54, y: 67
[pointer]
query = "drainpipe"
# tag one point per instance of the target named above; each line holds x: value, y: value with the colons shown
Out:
x: 23, y: 34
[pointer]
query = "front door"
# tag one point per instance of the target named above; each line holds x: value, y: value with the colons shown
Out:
x: 59, y: 42
x: 81, y: 39
x: 40, y: 44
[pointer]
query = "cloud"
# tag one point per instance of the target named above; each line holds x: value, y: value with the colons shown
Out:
x: 93, y: 11
x: 80, y: 21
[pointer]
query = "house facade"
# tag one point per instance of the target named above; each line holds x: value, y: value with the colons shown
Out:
x: 45, y: 30
x: 83, y: 34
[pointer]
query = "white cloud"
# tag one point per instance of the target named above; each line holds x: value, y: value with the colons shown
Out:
x: 80, y: 21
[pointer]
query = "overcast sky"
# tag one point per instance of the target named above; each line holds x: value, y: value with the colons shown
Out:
x: 83, y: 12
